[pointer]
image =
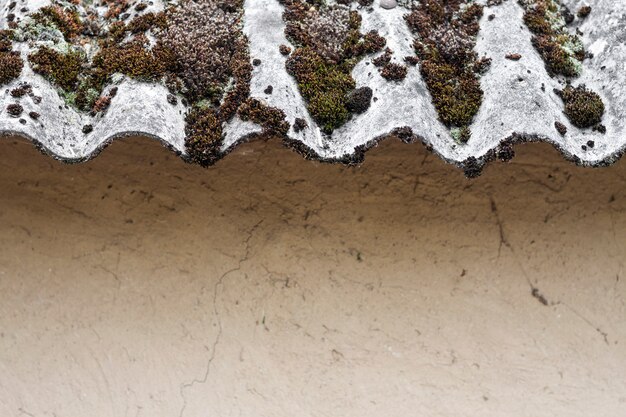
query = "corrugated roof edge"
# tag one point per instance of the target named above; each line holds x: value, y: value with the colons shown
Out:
x: 472, y: 166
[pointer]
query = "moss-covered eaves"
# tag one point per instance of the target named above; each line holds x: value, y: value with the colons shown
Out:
x: 468, y: 78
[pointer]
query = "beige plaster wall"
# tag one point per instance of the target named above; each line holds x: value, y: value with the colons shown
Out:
x: 137, y: 285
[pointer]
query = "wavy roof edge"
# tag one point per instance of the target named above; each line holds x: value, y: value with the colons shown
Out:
x: 518, y: 106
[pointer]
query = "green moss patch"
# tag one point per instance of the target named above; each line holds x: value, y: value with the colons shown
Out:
x: 328, y: 44
x: 446, y: 33
x: 562, y: 52
x: 325, y: 87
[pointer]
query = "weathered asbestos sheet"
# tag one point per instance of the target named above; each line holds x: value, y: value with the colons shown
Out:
x: 520, y: 95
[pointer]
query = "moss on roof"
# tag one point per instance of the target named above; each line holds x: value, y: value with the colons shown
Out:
x: 197, y: 52
x: 563, y: 54
x: 328, y: 44
x: 446, y: 33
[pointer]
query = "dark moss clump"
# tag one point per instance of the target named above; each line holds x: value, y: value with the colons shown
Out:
x: 446, y: 35
x: 299, y: 125
x: 389, y: 70
x: 359, y: 99
x: 505, y: 151
x: 583, y: 12
x: 562, y: 52
x: 394, y: 72
x: 472, y: 168
x: 405, y: 134
x: 15, y: 110
x: 11, y: 63
x: 561, y: 128
x: 583, y: 107
x: 284, y: 50
x: 21, y: 90
x: 270, y: 118
x: 328, y: 43
x: 203, y: 135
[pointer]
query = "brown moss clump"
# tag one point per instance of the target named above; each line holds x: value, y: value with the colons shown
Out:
x: 146, y: 22
x: 394, y: 72
x: 115, y: 8
x: 446, y: 35
x: 65, y: 19
x: 328, y: 43
x: 11, y: 63
x: 562, y: 52
x: 583, y: 12
x: 15, y: 110
x: 270, y: 118
x: 203, y: 135
x: 62, y: 69
x: 284, y: 50
x: 389, y: 70
x: 213, y: 66
x: 584, y: 108
x: 6, y: 40
x: 134, y: 59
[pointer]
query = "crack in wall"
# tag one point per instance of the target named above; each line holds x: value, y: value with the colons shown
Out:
x: 534, y: 291
x: 601, y: 332
x: 503, y: 239
x: 216, y: 312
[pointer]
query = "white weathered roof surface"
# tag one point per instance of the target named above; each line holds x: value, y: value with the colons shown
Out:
x: 514, y: 105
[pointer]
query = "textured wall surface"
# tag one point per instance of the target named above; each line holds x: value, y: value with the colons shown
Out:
x: 135, y: 285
